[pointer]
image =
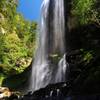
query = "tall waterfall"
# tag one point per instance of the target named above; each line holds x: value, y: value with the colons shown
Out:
x: 50, y: 65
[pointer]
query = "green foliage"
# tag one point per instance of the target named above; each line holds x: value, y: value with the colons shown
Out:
x: 12, y: 49
x: 2, y: 77
x: 83, y: 10
x: 17, y: 39
x: 87, y: 56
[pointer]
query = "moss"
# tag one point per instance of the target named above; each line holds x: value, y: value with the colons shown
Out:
x: 13, y: 82
x: 2, y: 77
x: 87, y: 55
x: 55, y: 58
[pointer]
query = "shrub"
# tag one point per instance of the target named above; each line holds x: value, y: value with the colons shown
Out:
x: 82, y: 9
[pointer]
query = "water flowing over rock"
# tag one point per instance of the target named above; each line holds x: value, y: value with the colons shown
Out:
x: 50, y: 64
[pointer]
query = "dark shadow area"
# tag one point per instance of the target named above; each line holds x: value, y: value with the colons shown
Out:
x: 84, y: 59
x: 19, y: 82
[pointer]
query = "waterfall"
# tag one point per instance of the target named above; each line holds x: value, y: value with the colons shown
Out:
x: 50, y: 64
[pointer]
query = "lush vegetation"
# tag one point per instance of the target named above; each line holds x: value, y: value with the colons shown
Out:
x: 86, y: 11
x: 17, y: 40
x: 86, y: 35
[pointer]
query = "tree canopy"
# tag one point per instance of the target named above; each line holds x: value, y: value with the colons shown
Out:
x: 17, y: 39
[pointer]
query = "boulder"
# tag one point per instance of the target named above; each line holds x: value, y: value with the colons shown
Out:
x: 5, y: 92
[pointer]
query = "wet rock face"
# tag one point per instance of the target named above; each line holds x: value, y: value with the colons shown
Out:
x: 51, y: 92
x: 59, y: 91
x: 65, y: 98
x: 55, y: 92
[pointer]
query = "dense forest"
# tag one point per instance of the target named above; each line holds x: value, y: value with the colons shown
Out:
x: 17, y: 40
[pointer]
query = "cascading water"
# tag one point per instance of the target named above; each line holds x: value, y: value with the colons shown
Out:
x: 50, y: 65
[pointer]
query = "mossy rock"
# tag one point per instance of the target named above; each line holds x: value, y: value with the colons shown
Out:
x: 55, y: 58
x: 13, y: 81
x: 18, y: 80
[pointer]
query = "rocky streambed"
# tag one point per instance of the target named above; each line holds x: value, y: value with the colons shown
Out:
x: 59, y: 91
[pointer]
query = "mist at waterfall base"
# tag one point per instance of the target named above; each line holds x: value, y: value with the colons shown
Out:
x: 50, y: 65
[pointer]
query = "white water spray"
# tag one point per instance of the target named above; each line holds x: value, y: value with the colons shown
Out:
x: 50, y: 64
